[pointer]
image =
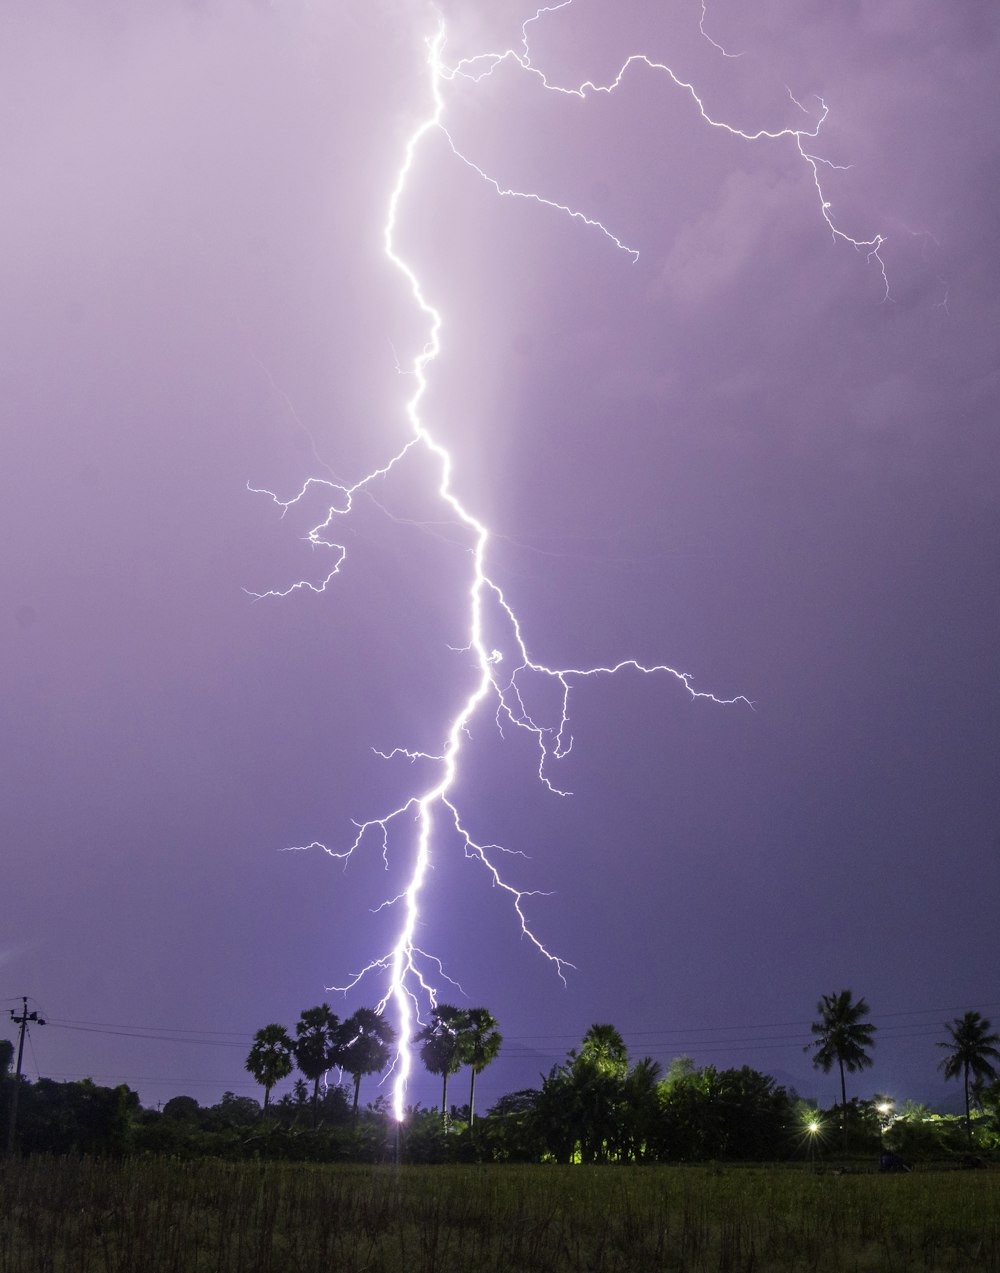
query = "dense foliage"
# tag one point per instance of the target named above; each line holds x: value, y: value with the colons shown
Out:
x: 596, y: 1107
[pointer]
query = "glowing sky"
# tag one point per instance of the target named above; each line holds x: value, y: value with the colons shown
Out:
x: 731, y: 456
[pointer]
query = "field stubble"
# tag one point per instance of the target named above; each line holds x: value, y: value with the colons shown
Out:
x: 164, y: 1216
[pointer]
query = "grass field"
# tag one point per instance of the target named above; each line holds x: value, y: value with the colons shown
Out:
x: 164, y: 1216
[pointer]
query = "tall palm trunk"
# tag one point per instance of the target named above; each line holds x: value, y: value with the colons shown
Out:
x: 444, y: 1100
x: 472, y: 1098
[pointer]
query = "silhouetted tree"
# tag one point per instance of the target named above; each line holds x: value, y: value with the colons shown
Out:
x: 557, y: 1114
x: 319, y: 1045
x: 184, y: 1109
x: 367, y: 1038
x: 972, y: 1051
x: 987, y: 1097
x: 76, y: 1118
x: 682, y: 1134
x: 441, y: 1046
x: 598, y: 1073
x: 581, y: 1108
x: 842, y: 1037
x: 271, y: 1058
x: 233, y: 1111
x: 480, y: 1043
x: 511, y: 1128
x: 641, y: 1108
x: 731, y: 1114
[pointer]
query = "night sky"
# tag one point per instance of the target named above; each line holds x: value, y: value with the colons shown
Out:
x: 735, y: 456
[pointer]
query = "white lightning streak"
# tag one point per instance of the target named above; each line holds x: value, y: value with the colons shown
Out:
x: 713, y: 43
x: 507, y: 678
x: 484, y: 64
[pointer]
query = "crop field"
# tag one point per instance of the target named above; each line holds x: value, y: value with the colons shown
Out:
x: 163, y: 1216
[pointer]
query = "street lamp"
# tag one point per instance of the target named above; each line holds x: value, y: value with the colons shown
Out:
x: 812, y: 1128
x: 884, y: 1110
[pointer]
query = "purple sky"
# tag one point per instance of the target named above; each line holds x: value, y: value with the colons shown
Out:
x: 732, y: 456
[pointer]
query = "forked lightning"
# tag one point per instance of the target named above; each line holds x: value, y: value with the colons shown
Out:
x: 504, y: 678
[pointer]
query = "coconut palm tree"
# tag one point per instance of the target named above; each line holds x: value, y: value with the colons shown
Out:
x: 842, y: 1037
x: 441, y: 1046
x: 973, y: 1049
x: 318, y: 1046
x: 366, y: 1041
x: 270, y: 1058
x: 480, y: 1043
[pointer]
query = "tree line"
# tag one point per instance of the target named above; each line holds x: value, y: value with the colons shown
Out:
x: 358, y: 1046
x: 596, y: 1106
x: 361, y: 1044
x: 844, y: 1037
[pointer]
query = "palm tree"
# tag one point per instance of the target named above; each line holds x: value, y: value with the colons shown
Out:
x: 441, y: 1050
x: 270, y: 1058
x: 480, y: 1043
x: 367, y: 1038
x: 973, y: 1051
x: 318, y: 1045
x: 604, y: 1048
x: 842, y: 1037
x: 597, y: 1075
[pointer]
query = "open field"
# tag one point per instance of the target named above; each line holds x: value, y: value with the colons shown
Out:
x: 162, y: 1216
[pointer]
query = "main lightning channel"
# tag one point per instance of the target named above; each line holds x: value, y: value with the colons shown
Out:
x: 507, y: 680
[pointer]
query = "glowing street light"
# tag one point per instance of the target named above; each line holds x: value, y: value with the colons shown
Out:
x: 812, y: 1129
x: 884, y: 1109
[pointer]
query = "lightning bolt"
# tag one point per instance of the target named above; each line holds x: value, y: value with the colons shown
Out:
x: 504, y: 675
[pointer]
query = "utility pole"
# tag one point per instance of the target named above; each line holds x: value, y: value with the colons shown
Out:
x: 22, y: 1021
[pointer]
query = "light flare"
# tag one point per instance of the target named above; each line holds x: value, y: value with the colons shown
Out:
x: 504, y: 677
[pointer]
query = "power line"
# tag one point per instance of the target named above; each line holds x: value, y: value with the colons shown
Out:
x: 773, y: 1025
x: 229, y: 1083
x: 712, y: 1047
x: 239, y: 1037
x: 153, y: 1037
x: 115, y: 1025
